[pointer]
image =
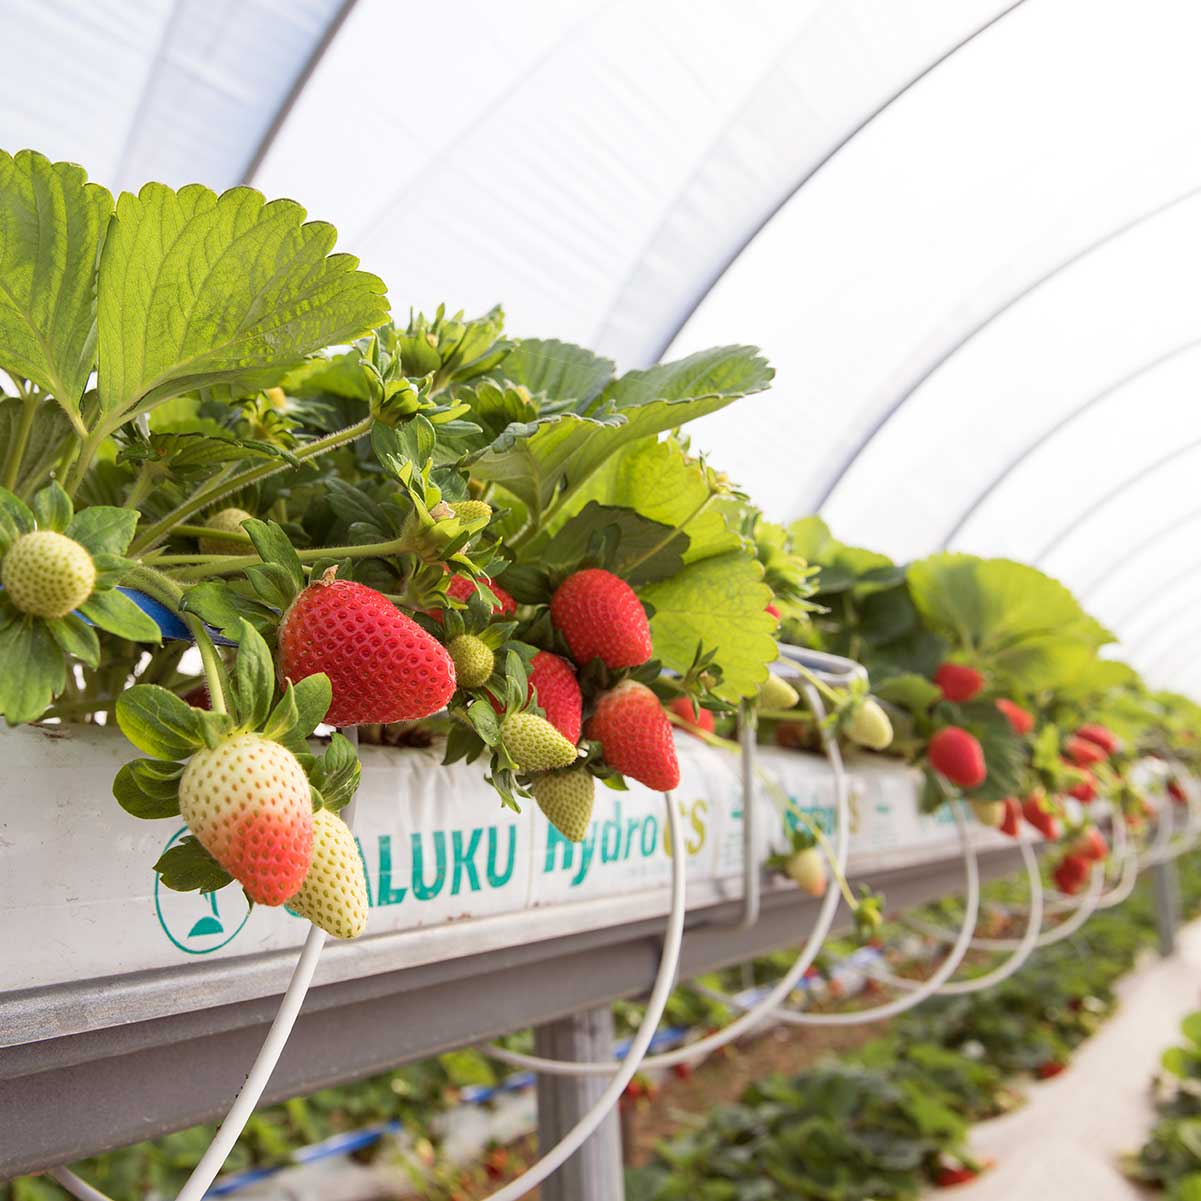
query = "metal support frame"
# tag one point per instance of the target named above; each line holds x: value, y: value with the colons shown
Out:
x: 1165, y: 887
x: 595, y: 1171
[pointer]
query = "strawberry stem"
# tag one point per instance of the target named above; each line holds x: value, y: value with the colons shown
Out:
x: 214, y: 669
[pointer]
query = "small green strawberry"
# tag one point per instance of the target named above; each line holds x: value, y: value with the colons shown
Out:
x: 989, y: 813
x: 777, y: 693
x: 249, y: 804
x: 229, y: 521
x: 869, y: 726
x: 534, y: 744
x: 807, y: 870
x: 474, y: 660
x: 334, y: 893
x: 468, y: 511
x: 566, y: 799
x: 47, y: 574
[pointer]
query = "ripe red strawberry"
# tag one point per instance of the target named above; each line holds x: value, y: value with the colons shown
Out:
x: 1039, y: 815
x: 1086, y: 791
x: 682, y: 1071
x: 462, y: 588
x: 1090, y: 845
x: 948, y: 1177
x: 1022, y: 720
x: 1013, y: 813
x: 1052, y: 1067
x: 381, y: 664
x: 635, y: 735
x: 1072, y: 873
x: 249, y: 805
x: 601, y: 617
x: 1083, y: 752
x: 1105, y: 738
x: 958, y: 682
x: 694, y: 718
x: 1176, y: 791
x: 558, y: 691
x: 957, y: 755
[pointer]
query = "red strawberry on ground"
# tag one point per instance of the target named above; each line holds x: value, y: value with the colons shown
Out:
x: 249, y: 805
x: 957, y: 755
x: 1013, y: 812
x: 1091, y: 845
x: 558, y: 691
x: 958, y: 683
x: 695, y: 718
x: 1086, y: 791
x: 382, y: 665
x: 1083, y: 752
x: 1071, y: 873
x: 635, y: 735
x: 1105, y: 738
x: 1021, y: 720
x: 601, y: 617
x: 1039, y: 815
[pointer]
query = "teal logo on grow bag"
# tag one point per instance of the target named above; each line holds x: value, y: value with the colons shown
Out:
x: 198, y: 923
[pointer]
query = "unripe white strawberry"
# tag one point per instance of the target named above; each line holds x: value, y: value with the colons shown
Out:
x: 248, y: 802
x: 334, y: 893
x: 47, y: 574
x: 473, y: 659
x: 566, y: 797
x: 989, y: 813
x: 807, y: 869
x: 777, y: 693
x: 534, y: 744
x: 230, y: 522
x: 869, y: 726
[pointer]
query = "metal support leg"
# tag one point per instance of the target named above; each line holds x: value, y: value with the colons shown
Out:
x: 595, y: 1172
x: 1167, y: 904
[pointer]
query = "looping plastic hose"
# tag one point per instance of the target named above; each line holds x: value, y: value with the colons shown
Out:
x: 664, y: 982
x: 763, y: 1008
x: 1024, y: 949
x: 240, y: 1112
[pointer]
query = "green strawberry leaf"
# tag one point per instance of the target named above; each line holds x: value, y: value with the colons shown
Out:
x: 1004, y: 751
x: 273, y: 584
x: 312, y: 695
x: 149, y: 788
x: 103, y: 529
x: 462, y: 742
x: 402, y: 451
x: 53, y: 224
x: 48, y: 435
x: 199, y: 290
x: 35, y: 671
x: 115, y: 612
x: 223, y: 607
x: 76, y: 638
x: 188, y: 867
x: 16, y: 518
x: 618, y: 539
x: 484, y: 720
x: 284, y: 718
x: 110, y: 570
x: 558, y: 370
x: 53, y: 509
x: 336, y: 774
x: 215, y: 728
x: 274, y: 548
x: 254, y: 677
x: 159, y: 723
x: 552, y: 457
x: 716, y: 602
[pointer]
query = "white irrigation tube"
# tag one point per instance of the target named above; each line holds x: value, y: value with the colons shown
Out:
x: 212, y: 1161
x: 748, y: 723
x: 1022, y: 952
x: 927, y: 988
x: 1128, y: 856
x: 761, y: 1010
x: 664, y: 983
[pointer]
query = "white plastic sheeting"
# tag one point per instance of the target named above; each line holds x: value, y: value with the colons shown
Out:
x: 966, y: 231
